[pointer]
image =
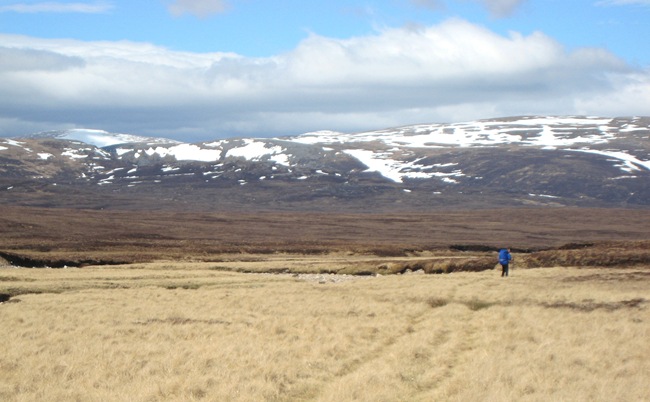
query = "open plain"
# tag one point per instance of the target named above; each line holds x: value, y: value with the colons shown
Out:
x: 190, y: 331
x: 173, y: 306
x: 58, y: 237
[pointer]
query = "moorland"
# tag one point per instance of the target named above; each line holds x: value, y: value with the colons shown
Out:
x: 307, y: 306
x: 58, y: 237
x: 193, y: 331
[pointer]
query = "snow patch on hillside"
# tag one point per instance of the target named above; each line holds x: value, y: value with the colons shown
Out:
x: 254, y: 150
x: 396, y: 170
x: 539, y: 131
x: 628, y: 163
x: 13, y: 143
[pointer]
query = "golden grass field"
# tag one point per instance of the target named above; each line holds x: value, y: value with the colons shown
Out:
x: 197, y: 331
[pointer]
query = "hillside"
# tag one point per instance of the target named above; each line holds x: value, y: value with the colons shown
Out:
x: 511, y: 162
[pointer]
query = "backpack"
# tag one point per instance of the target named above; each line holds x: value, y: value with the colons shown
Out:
x: 504, y: 256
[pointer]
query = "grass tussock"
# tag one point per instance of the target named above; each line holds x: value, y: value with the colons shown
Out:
x: 441, y: 265
x: 475, y: 304
x: 608, y: 254
x: 180, y: 333
x: 591, y: 305
x: 436, y: 302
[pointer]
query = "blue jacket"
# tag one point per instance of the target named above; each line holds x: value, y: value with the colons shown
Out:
x: 504, y: 256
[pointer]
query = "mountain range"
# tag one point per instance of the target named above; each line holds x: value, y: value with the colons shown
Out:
x: 506, y: 162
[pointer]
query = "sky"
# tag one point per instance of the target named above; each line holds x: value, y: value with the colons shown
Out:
x: 199, y: 70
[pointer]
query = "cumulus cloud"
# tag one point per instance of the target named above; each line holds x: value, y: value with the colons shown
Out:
x: 57, y: 7
x: 199, y: 8
x: 452, y: 71
x: 630, y: 97
x: 33, y: 60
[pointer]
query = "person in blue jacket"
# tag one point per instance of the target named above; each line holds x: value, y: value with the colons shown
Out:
x: 504, y: 259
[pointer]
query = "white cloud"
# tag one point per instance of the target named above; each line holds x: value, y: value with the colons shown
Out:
x: 199, y: 8
x: 453, y: 71
x: 629, y: 95
x: 452, y: 50
x: 22, y: 60
x: 56, y: 7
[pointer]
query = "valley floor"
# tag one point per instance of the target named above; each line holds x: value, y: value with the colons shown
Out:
x: 183, y: 331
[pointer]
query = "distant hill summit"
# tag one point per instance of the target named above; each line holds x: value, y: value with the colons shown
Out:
x: 506, y: 162
x: 99, y: 138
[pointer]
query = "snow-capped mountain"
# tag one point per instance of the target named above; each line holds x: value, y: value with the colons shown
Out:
x: 101, y: 138
x: 529, y: 160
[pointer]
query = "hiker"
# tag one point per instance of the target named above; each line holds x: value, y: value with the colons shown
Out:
x: 504, y: 259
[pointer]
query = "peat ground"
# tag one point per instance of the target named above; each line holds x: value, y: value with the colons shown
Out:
x: 32, y: 236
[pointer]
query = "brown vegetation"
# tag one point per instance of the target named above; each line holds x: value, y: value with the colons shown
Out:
x: 72, y: 237
x: 188, y: 331
x: 602, y: 254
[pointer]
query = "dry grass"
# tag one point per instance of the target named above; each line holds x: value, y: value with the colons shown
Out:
x: 604, y: 254
x: 188, y: 332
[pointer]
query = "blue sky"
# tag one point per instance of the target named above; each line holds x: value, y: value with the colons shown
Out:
x: 205, y: 69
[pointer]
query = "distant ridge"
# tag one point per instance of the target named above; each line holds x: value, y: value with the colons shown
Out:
x: 100, y: 138
x: 512, y: 161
